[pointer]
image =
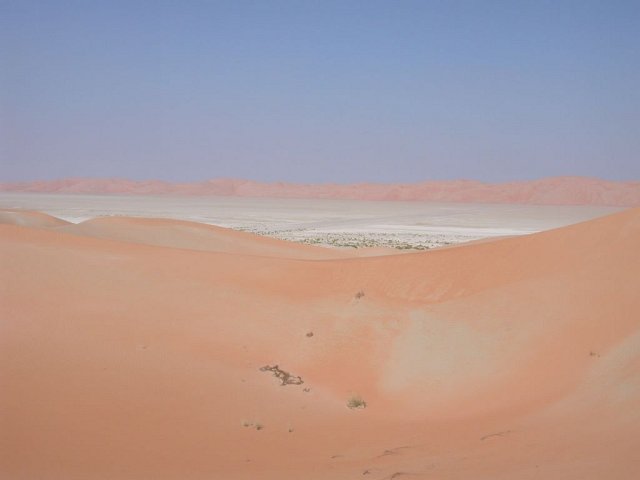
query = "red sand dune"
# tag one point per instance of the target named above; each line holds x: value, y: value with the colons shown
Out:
x: 30, y: 219
x: 548, y: 191
x: 509, y: 359
x: 186, y: 235
x: 196, y: 236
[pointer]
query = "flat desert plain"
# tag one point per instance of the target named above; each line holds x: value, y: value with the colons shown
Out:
x: 150, y: 348
x: 335, y: 223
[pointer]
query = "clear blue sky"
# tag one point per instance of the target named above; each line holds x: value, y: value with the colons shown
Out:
x: 318, y: 91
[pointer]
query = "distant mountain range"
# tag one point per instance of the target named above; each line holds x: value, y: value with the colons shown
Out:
x: 547, y: 191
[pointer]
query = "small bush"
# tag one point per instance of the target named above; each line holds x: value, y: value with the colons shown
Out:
x: 285, y: 377
x: 356, y: 402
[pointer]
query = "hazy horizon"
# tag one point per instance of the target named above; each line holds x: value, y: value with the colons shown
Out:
x: 328, y: 182
x: 328, y: 92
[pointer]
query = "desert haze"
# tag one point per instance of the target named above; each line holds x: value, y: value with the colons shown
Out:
x: 546, y: 191
x: 157, y: 348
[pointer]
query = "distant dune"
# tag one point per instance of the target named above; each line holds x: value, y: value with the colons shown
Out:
x: 548, y: 191
x: 134, y: 348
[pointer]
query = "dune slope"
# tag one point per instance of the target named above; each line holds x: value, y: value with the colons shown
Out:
x: 30, y: 219
x: 196, y: 236
x: 512, y: 359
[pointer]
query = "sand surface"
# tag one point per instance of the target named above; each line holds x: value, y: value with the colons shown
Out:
x: 132, y: 349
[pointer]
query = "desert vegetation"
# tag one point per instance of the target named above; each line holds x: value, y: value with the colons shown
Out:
x: 285, y: 377
x: 356, y: 402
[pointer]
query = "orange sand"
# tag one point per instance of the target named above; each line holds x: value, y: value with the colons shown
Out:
x: 131, y: 348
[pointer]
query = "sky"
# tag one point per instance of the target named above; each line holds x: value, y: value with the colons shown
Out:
x: 319, y: 91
